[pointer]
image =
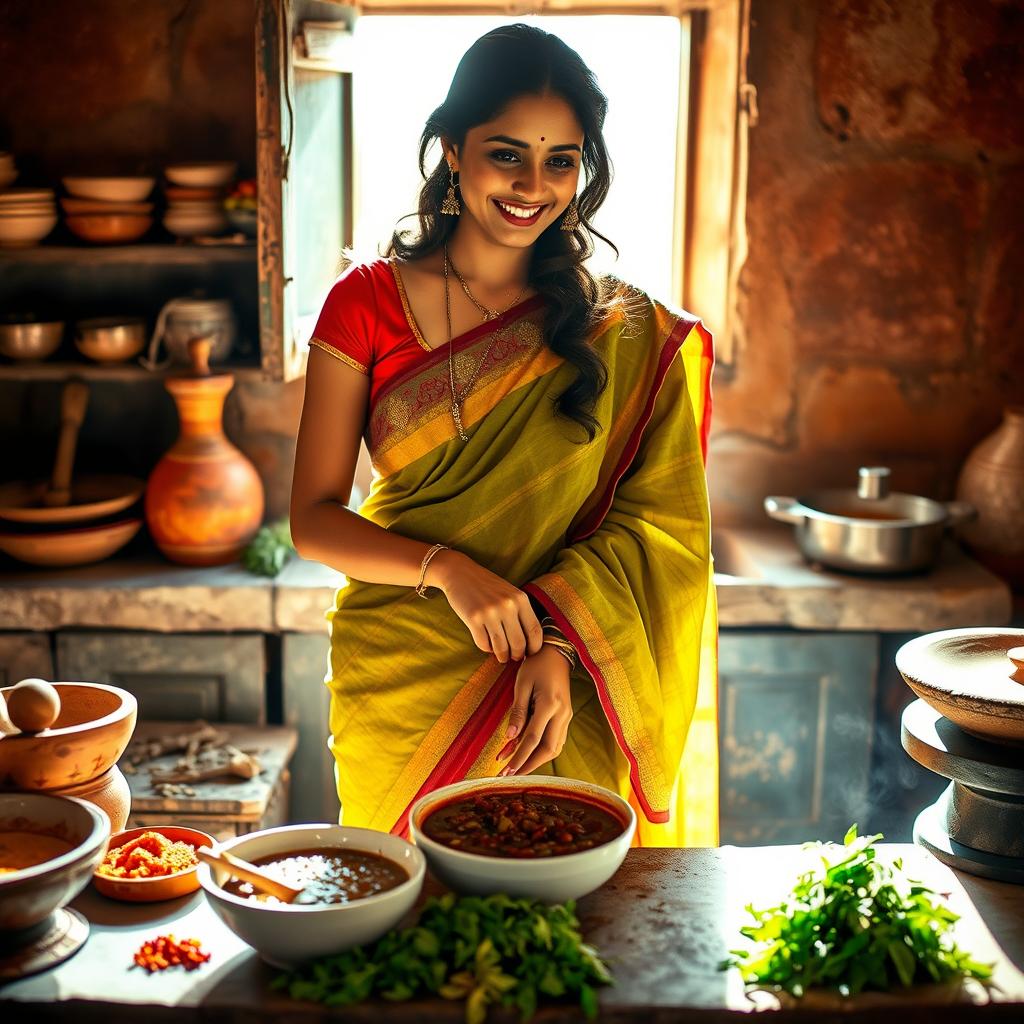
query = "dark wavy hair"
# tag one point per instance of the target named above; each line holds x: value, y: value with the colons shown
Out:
x: 506, y: 63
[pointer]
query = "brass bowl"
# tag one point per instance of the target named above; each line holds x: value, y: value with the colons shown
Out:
x: 109, y: 339
x: 24, y: 338
x: 109, y: 228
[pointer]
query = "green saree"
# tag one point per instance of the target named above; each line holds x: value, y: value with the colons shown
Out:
x: 612, y: 537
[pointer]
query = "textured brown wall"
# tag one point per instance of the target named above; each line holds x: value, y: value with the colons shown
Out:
x: 118, y: 86
x: 881, y: 300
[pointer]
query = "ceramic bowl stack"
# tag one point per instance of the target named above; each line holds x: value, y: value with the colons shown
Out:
x: 195, y: 198
x: 8, y: 170
x: 27, y: 216
x: 108, y: 210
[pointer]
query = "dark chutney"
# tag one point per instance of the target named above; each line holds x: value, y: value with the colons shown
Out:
x: 521, y: 824
x: 329, y: 875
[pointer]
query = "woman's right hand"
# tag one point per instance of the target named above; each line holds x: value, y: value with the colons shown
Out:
x: 498, y: 615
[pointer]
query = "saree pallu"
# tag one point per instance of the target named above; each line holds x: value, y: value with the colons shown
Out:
x: 611, y: 537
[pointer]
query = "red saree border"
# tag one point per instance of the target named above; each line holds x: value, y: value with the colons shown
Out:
x: 656, y: 817
x: 673, y: 344
x: 458, y: 759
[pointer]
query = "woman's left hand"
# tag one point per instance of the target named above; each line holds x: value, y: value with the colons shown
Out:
x: 541, y: 712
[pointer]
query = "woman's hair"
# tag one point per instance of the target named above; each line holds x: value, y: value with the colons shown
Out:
x: 506, y: 63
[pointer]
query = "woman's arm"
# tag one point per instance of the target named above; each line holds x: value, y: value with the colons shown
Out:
x: 498, y: 615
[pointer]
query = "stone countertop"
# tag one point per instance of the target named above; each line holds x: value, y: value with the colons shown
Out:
x: 762, y: 580
x: 663, y: 922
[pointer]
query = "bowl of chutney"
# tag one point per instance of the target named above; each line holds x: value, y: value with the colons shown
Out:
x: 357, y: 884
x: 541, y: 837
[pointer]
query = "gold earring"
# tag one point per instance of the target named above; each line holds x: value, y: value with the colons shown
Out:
x: 571, y: 218
x: 451, y: 204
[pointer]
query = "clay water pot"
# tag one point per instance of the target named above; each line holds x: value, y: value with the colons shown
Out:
x: 204, y: 499
x: 992, y: 480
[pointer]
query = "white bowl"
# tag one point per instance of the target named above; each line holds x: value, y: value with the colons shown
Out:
x: 116, y: 190
x: 26, y: 229
x: 31, y: 894
x: 202, y: 175
x: 14, y: 197
x: 550, y: 879
x: 286, y: 935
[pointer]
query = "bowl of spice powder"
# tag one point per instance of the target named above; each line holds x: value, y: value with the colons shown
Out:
x: 145, y: 865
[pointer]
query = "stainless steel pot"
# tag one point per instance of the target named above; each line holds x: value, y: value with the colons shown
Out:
x: 868, y: 529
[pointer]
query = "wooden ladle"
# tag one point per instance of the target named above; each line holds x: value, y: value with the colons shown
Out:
x: 74, y: 399
x: 247, y: 873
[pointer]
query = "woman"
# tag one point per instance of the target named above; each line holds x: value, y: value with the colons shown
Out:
x: 537, y: 438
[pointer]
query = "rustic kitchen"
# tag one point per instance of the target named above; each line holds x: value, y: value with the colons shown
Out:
x: 839, y: 201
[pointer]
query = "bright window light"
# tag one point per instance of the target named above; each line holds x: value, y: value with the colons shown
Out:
x: 640, y: 130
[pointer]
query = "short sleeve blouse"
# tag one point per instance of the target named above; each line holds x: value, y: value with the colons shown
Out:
x: 366, y: 322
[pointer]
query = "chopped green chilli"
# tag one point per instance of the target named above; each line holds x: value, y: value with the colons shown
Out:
x: 483, y: 949
x: 859, y: 925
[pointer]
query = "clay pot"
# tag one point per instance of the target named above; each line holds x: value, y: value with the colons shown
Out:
x: 94, y: 726
x: 204, y: 499
x: 992, y: 480
x: 109, y: 792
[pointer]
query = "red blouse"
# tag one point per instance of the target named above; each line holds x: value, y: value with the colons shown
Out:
x: 366, y: 322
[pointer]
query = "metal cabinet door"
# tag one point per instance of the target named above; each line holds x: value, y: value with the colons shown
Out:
x: 796, y: 715
x: 177, y: 676
x: 24, y: 656
x: 306, y: 700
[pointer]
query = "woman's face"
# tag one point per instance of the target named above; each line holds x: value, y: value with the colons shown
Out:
x: 527, y: 158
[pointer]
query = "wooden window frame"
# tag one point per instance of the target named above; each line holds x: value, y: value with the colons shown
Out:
x: 717, y: 108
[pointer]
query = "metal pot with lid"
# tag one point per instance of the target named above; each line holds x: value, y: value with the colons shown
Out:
x: 870, y: 529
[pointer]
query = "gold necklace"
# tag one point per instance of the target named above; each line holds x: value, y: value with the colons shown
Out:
x: 489, y: 314
x: 458, y: 399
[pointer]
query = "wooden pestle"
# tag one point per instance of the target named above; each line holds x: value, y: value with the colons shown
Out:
x: 73, y: 400
x: 247, y: 873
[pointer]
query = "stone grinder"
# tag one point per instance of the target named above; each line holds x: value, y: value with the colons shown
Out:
x: 968, y: 726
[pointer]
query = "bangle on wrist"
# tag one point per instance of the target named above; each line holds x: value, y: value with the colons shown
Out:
x: 421, y: 587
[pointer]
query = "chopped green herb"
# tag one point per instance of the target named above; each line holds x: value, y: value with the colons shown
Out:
x: 268, y: 552
x: 859, y: 925
x: 483, y: 949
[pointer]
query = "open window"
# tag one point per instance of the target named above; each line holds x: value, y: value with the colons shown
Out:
x: 308, y: 144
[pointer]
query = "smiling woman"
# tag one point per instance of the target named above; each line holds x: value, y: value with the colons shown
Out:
x: 538, y: 436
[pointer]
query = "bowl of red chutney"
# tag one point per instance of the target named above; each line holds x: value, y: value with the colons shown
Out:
x: 542, y: 837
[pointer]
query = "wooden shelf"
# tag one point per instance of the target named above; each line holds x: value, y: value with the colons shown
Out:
x: 62, y: 369
x: 154, y: 254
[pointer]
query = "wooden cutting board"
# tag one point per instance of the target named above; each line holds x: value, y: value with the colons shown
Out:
x: 226, y: 797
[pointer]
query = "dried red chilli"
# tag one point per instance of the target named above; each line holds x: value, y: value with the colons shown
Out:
x: 165, y: 951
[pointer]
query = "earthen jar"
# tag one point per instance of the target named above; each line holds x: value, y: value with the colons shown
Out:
x: 204, y: 499
x: 992, y: 480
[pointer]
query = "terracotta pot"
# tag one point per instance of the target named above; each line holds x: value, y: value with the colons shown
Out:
x: 992, y: 479
x: 109, y: 792
x: 96, y: 722
x: 204, y: 499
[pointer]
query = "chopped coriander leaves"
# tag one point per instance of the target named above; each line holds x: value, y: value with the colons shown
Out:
x: 854, y: 925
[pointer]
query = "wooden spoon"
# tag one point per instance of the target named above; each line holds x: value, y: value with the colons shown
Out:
x: 74, y: 399
x: 247, y: 873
